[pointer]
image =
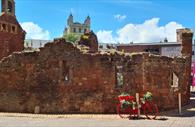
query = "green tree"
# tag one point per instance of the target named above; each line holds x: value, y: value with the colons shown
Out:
x: 71, y: 38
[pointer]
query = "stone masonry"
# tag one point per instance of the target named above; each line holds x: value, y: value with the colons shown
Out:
x: 64, y: 78
x: 11, y: 33
x: 90, y: 40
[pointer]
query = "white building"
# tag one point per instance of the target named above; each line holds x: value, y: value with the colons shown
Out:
x: 34, y: 43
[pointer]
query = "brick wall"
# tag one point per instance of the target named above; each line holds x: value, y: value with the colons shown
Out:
x: 61, y: 78
x: 11, y: 35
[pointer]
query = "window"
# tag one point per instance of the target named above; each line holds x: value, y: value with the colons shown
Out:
x: 119, y: 76
x: 3, y: 27
x: 13, y: 29
x: 101, y: 46
x: 175, y: 80
x: 85, y: 30
x: 74, y: 30
x: 64, y: 72
x: 157, y: 50
x: 193, y: 53
x: 10, y: 7
x: 80, y: 30
x: 152, y: 50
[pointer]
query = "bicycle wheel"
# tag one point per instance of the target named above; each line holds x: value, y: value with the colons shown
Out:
x: 150, y: 110
x: 133, y: 113
x: 123, y: 113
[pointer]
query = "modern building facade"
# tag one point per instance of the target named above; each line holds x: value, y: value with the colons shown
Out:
x: 170, y: 49
x: 35, y: 43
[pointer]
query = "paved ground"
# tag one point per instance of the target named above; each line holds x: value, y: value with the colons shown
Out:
x: 167, y: 119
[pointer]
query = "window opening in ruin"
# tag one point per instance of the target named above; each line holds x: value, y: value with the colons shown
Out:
x: 64, y: 76
x: 119, y: 76
x: 10, y: 7
x: 175, y: 80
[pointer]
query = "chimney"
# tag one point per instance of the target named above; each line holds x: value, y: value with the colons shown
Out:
x: 185, y: 36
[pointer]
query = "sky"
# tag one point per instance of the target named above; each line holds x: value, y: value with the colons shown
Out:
x: 114, y: 21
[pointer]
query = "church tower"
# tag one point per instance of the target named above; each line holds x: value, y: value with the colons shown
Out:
x: 87, y: 21
x: 70, y: 20
x: 76, y: 29
x: 11, y: 33
x: 8, y: 7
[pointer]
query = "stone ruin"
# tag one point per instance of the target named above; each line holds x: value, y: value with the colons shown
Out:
x: 62, y: 78
x: 90, y: 40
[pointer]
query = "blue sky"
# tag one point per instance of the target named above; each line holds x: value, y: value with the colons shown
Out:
x: 110, y: 19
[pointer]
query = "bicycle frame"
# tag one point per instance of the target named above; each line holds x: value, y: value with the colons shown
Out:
x: 148, y: 107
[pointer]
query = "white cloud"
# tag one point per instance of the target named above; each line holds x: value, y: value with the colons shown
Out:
x: 120, y: 17
x: 34, y: 31
x: 105, y: 36
x: 149, y: 31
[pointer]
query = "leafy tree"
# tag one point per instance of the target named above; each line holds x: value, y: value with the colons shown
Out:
x: 71, y: 38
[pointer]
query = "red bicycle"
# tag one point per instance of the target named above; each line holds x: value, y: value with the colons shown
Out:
x: 128, y: 107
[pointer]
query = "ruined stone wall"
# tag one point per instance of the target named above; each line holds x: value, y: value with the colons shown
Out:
x: 61, y: 78
x: 158, y: 78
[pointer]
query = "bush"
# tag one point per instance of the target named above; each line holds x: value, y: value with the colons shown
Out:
x: 148, y: 96
x: 71, y: 38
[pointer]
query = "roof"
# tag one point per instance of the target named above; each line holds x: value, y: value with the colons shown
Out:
x: 4, y: 17
x: 152, y: 44
x: 77, y: 23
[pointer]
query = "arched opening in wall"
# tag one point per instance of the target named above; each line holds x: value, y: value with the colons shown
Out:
x: 10, y: 7
x: 3, y: 27
x: 174, y: 81
x: 13, y: 29
x: 64, y: 73
x: 119, y: 76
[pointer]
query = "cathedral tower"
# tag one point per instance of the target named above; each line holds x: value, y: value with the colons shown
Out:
x: 11, y: 33
x: 8, y: 7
